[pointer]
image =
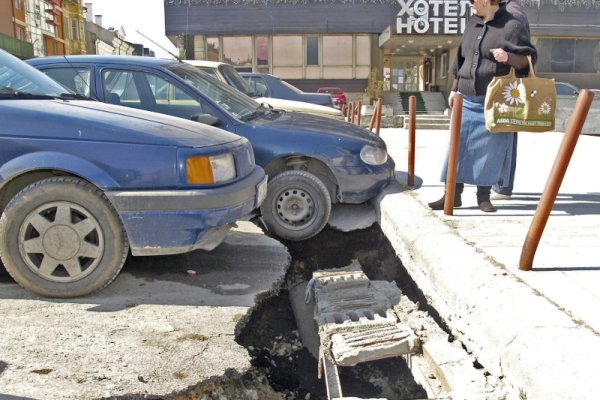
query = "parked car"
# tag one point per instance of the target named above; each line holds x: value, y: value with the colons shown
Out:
x: 337, y: 95
x: 82, y: 183
x: 312, y: 161
x: 567, y: 90
x: 227, y: 74
x: 266, y: 85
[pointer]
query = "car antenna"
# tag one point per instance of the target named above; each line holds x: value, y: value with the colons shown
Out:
x: 80, y: 76
x: 162, y: 47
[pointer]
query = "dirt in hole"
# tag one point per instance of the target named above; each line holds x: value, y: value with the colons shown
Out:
x: 272, y: 338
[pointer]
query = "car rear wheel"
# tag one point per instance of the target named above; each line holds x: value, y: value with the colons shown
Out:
x: 61, y: 237
x: 297, y: 205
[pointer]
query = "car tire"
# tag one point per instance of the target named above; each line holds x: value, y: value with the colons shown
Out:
x: 61, y: 237
x: 297, y: 205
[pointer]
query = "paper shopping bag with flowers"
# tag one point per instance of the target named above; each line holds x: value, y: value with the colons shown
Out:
x: 515, y: 104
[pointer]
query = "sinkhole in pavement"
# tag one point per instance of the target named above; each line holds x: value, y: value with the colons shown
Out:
x: 271, y: 334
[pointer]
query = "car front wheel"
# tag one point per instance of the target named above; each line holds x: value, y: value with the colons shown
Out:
x: 297, y: 205
x: 60, y: 237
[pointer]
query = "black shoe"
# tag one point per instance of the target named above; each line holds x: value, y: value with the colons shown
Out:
x: 487, y: 206
x: 439, y: 204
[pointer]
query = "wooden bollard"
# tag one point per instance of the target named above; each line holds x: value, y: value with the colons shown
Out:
x: 563, y: 157
x: 412, y: 111
x: 358, y: 110
x: 378, y: 117
x: 453, y: 154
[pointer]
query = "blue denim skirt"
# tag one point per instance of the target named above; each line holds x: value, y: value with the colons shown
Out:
x: 482, y: 154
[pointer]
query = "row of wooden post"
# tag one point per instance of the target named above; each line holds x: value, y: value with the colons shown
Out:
x: 563, y: 157
x: 353, y: 110
x: 550, y: 192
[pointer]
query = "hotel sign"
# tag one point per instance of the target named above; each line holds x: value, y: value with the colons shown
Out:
x: 446, y: 17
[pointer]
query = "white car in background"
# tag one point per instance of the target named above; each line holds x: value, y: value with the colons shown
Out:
x: 227, y: 74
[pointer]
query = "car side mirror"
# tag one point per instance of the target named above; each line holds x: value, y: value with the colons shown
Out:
x: 206, y: 119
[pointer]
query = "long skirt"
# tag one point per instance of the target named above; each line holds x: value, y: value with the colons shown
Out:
x: 482, y: 154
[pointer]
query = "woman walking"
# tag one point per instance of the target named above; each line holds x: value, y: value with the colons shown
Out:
x: 493, y: 42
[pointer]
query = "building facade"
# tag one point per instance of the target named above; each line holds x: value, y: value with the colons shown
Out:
x: 73, y: 27
x: 337, y: 42
x: 45, y: 26
x: 13, y: 29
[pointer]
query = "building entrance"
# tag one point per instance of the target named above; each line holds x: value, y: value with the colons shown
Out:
x: 403, y: 74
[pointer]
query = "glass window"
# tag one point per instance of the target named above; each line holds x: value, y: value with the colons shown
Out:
x: 75, y: 78
x: 212, y: 49
x: 148, y: 91
x: 74, y: 29
x: 444, y: 65
x: 20, y: 33
x: 363, y: 50
x: 234, y: 79
x: 262, y: 50
x: 259, y: 87
x: 337, y: 50
x: 287, y: 51
x: 568, y: 55
x: 119, y: 88
x: 312, y: 50
x: 237, y: 50
x: 225, y: 96
x: 18, y: 4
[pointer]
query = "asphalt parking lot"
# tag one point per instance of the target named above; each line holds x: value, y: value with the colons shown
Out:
x: 165, y: 324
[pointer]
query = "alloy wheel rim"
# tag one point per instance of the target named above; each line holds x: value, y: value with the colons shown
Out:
x: 61, y: 242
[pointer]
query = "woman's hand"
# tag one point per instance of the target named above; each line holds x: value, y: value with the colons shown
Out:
x: 451, y: 99
x: 500, y: 55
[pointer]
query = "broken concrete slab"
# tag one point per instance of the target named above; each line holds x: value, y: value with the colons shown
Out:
x: 351, y: 217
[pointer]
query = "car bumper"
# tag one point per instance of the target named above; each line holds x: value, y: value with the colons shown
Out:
x: 179, y: 221
x: 359, y: 184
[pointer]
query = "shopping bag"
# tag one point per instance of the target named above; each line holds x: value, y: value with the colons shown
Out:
x: 514, y: 104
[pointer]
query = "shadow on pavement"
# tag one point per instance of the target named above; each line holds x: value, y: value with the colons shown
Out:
x: 246, y: 264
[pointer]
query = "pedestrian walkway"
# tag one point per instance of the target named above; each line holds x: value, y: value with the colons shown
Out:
x: 539, y: 329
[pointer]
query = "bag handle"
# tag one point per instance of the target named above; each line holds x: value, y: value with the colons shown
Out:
x: 531, y: 71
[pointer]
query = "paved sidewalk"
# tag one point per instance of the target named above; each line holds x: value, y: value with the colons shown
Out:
x: 539, y: 329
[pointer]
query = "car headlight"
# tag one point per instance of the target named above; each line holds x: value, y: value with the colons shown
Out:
x: 202, y: 170
x: 373, y: 155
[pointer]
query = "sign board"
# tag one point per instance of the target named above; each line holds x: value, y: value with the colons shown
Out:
x: 432, y: 17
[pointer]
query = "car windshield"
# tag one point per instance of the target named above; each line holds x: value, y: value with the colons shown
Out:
x: 20, y: 80
x: 230, y: 99
x: 330, y: 91
x: 234, y: 79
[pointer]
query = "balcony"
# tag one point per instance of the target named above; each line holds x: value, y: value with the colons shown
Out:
x: 16, y: 47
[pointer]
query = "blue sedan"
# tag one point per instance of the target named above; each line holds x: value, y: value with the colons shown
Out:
x: 312, y: 161
x: 82, y: 183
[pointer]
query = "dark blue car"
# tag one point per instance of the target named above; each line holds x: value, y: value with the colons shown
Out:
x: 311, y: 161
x: 266, y: 85
x: 82, y: 183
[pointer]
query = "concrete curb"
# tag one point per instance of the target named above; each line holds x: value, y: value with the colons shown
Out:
x: 513, y: 330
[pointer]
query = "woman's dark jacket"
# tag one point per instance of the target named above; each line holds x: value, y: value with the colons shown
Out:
x: 475, y: 66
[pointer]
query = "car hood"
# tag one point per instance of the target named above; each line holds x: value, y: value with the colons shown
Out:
x: 300, y: 106
x: 299, y: 123
x: 91, y: 120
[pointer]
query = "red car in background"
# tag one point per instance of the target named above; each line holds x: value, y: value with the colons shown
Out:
x: 337, y: 95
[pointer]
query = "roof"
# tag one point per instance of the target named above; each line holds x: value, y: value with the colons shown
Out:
x: 139, y: 60
x: 203, y: 63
